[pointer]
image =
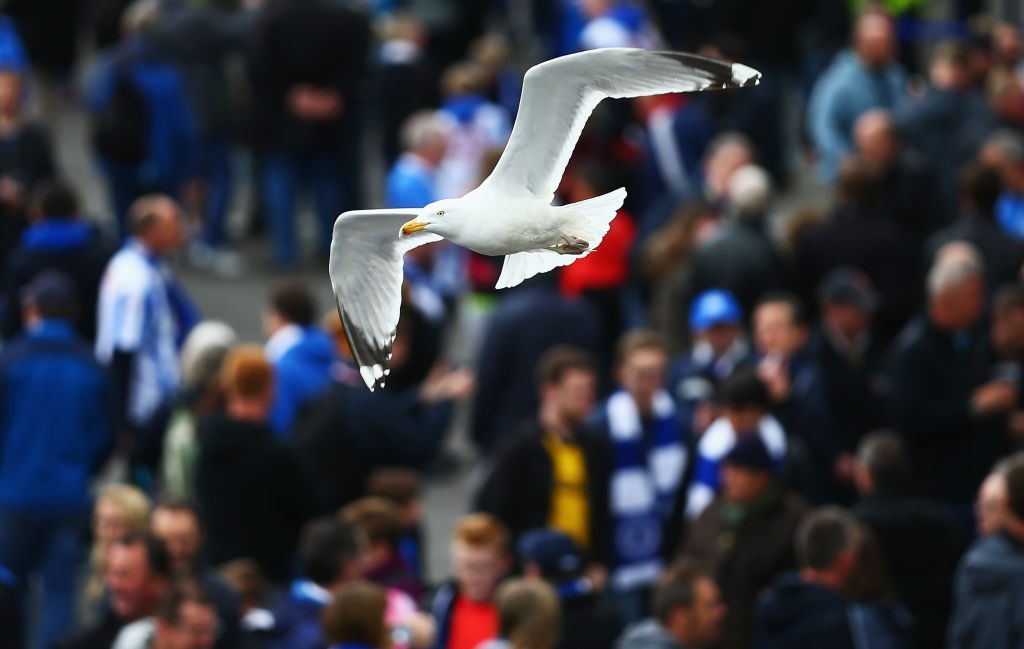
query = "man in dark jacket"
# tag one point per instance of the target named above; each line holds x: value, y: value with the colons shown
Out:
x: 252, y: 494
x: 979, y: 192
x: 946, y: 402
x: 990, y: 580
x: 57, y: 239
x: 555, y: 473
x: 917, y: 538
x: 588, y: 621
x: 48, y: 454
x: 806, y: 608
x: 530, y: 320
x: 309, y: 59
x: 745, y: 536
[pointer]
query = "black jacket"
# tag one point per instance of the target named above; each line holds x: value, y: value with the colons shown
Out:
x: 989, y: 591
x: 252, y: 494
x: 920, y: 547
x: 796, y: 615
x: 740, y: 259
x: 589, y: 622
x: 933, y: 376
x: 519, y: 489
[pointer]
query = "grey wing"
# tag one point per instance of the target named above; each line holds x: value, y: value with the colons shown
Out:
x: 366, y: 274
x: 559, y: 95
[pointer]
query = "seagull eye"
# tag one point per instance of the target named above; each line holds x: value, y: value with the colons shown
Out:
x: 440, y: 212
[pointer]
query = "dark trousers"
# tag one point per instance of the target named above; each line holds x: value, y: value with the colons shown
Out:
x: 282, y: 175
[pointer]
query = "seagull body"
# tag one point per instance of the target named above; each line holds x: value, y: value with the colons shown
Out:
x: 510, y: 214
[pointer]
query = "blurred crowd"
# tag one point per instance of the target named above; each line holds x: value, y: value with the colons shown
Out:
x: 782, y: 405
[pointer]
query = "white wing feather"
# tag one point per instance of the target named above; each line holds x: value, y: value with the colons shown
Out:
x: 366, y: 274
x: 559, y: 95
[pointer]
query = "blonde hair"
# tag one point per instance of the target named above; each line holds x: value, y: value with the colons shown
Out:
x: 356, y: 615
x: 528, y: 614
x: 135, y: 508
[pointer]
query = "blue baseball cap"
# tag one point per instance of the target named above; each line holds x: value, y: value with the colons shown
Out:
x: 553, y: 552
x: 713, y: 307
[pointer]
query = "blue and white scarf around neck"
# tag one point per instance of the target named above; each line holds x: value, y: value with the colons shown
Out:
x: 645, y: 480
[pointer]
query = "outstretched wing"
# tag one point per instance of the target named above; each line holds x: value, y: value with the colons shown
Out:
x: 559, y: 95
x: 366, y: 274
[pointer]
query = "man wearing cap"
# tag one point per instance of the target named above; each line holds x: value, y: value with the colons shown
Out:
x: 588, y: 621
x: 744, y: 538
x: 719, y: 347
x: 54, y: 434
x: 850, y: 365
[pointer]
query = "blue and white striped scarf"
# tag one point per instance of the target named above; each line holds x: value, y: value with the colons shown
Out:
x: 646, y: 478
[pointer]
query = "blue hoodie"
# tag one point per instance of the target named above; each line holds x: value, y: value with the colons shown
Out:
x: 48, y: 453
x: 302, y: 358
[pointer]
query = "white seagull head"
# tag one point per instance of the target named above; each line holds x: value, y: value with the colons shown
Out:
x: 439, y: 217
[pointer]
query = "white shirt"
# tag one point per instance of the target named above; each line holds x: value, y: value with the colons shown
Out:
x: 135, y: 315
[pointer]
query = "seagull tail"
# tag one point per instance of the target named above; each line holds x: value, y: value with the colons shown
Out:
x: 589, y: 220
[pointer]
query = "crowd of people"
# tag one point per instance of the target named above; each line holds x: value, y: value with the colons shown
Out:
x: 733, y: 425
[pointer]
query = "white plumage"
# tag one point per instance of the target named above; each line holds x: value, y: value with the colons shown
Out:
x: 510, y: 213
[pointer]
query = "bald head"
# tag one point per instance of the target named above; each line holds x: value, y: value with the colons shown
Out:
x: 956, y: 287
x: 156, y: 221
x: 874, y: 39
x: 875, y: 136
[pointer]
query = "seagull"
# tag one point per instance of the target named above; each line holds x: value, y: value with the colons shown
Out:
x: 510, y: 214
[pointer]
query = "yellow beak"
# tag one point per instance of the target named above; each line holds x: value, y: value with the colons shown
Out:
x: 413, y: 226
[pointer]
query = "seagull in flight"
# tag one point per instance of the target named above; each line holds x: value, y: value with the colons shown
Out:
x: 510, y: 214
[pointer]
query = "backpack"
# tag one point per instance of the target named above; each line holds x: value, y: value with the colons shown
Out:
x: 121, y: 130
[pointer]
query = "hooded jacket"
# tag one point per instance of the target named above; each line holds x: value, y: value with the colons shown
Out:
x: 302, y: 358
x: 988, y: 591
x: 793, y: 614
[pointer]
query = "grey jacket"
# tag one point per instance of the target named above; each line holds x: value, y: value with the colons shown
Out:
x: 989, y: 592
x: 648, y: 634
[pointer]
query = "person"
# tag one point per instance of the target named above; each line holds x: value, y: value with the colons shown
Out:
x: 744, y: 538
x: 137, y: 579
x: 688, y: 614
x: 405, y: 78
x: 411, y: 181
x: 979, y: 192
x: 48, y: 455
x: 143, y: 315
x: 719, y: 348
x: 119, y: 510
x: 402, y: 487
x: 144, y: 133
x: 746, y: 412
x: 309, y: 59
x: 588, y: 620
x: 251, y: 492
x: 57, y: 238
x: 347, y: 432
x: 738, y: 256
x: 917, y: 540
x: 355, y: 617
x: 649, y: 462
x: 256, y: 622
x: 796, y: 389
x: 866, y: 77
x: 330, y: 553
x: 529, y: 321
x: 946, y: 403
x: 555, y: 471
x: 529, y: 616
x: 177, y: 525
x: 299, y: 351
x: 465, y: 608
x: 1006, y: 340
x: 185, y: 619
x: 990, y: 578
x: 990, y: 508
x: 202, y: 355
x: 380, y: 522
x: 859, y: 233
x: 1003, y: 151
x: 850, y: 360
x: 807, y: 608
x: 942, y: 123
x: 26, y: 158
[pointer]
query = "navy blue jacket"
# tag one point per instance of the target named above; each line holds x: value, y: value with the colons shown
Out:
x: 796, y: 615
x: 54, y: 423
x: 988, y: 592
